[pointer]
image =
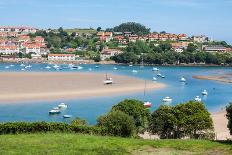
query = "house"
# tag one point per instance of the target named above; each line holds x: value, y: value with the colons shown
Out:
x: 163, y: 37
x: 61, y: 57
x: 32, y: 48
x: 24, y: 38
x: 200, y: 39
x: 70, y: 50
x: 143, y: 38
x: 108, y: 53
x: 39, y: 39
x: 215, y: 49
x: 105, y: 36
x: 182, y: 37
x: 9, y: 49
x: 183, y: 45
x: 127, y: 34
x: 133, y: 38
x: 172, y: 37
x: 153, y: 37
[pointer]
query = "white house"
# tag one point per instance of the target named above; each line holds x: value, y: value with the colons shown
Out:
x: 9, y: 49
x: 107, y: 53
x: 200, y: 39
x: 61, y: 57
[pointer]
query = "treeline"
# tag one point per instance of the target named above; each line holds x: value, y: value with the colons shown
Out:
x: 163, y: 54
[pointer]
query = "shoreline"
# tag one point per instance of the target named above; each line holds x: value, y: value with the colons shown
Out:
x: 215, y: 78
x: 39, y: 86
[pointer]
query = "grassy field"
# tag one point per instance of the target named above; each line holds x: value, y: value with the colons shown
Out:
x: 85, y: 144
x: 91, y: 31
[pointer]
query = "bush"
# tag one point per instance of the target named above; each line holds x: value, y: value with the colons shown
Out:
x: 117, y: 123
x: 229, y: 116
x: 136, y: 110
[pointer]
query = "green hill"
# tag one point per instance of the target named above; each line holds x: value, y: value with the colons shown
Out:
x: 59, y: 143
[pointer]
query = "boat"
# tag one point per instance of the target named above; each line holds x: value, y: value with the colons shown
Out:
x: 22, y: 65
x: 147, y: 104
x: 134, y: 71
x: 67, y: 116
x: 155, y: 69
x: 159, y: 75
x: 182, y: 79
x: 163, y: 76
x: 22, y: 69
x: 7, y: 67
x: 167, y: 99
x: 96, y: 66
x: 79, y: 67
x: 29, y: 66
x: 56, y: 66
x: 197, y: 99
x: 154, y: 79
x: 108, y: 80
x: 115, y: 68
x: 55, y: 110
x: 47, y: 67
x: 11, y: 65
x: 204, y: 92
x: 130, y: 65
x: 62, y: 106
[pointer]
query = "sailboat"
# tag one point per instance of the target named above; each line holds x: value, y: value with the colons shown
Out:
x: 108, y: 80
x: 146, y: 104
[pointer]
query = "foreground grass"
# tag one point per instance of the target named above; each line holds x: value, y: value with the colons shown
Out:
x: 59, y: 143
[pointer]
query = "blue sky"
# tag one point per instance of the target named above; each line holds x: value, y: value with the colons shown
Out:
x: 209, y: 17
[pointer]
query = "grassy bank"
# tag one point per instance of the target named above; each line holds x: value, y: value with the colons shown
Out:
x: 86, y: 144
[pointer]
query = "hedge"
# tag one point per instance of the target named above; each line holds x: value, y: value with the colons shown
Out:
x: 43, y: 127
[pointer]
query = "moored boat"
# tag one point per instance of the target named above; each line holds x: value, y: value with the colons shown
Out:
x: 67, y: 116
x: 167, y: 99
x: 197, y: 99
x: 147, y: 104
x: 155, y: 69
x: 204, y: 92
x: 182, y: 79
x: 55, y: 110
x: 62, y: 106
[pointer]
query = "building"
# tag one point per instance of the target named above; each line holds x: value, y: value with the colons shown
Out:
x: 200, y: 39
x: 61, y: 57
x: 32, y: 48
x: 215, y: 49
x: 183, y: 45
x: 153, y: 37
x: 108, y: 53
x: 24, y: 38
x: 133, y: 38
x: 105, y: 36
x: 9, y: 49
x: 182, y: 37
x: 39, y: 39
x: 18, y: 29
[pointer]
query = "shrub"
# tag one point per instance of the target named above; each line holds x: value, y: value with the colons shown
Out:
x: 229, y: 117
x: 117, y: 123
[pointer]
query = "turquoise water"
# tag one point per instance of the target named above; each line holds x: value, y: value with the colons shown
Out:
x: 220, y: 94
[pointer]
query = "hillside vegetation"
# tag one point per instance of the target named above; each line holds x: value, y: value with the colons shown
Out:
x: 58, y: 143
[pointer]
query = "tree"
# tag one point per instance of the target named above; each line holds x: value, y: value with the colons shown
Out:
x: 117, y: 123
x: 229, y: 116
x: 191, y: 48
x: 126, y: 57
x: 133, y: 27
x: 136, y: 110
x: 99, y: 29
x: 79, y: 121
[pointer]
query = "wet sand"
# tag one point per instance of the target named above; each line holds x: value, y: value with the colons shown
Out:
x: 223, y: 78
x: 33, y: 86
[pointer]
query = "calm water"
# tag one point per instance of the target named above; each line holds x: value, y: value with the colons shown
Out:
x: 90, y: 108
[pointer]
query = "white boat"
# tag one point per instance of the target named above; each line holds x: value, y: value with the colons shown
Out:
x: 147, y: 104
x: 47, y: 67
x: 154, y: 79
x: 96, y: 66
x: 155, y: 69
x: 115, y: 68
x: 29, y: 66
x: 79, y: 67
x: 130, y: 65
x: 162, y: 76
x: 197, y: 99
x: 159, y: 75
x: 204, y: 92
x: 22, y: 65
x: 167, y: 99
x: 11, y: 65
x: 67, y: 116
x: 7, y: 67
x: 56, y: 66
x: 22, y: 69
x: 62, y: 106
x: 55, y: 110
x: 108, y: 81
x: 134, y: 71
x: 182, y: 79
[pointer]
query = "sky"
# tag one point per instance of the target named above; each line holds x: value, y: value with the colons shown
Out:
x: 193, y: 17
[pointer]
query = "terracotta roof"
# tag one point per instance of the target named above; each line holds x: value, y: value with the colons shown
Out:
x: 62, y: 55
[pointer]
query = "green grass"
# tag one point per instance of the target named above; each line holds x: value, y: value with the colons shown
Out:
x: 91, y: 31
x: 58, y: 143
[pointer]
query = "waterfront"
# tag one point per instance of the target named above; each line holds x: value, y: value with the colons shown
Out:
x: 91, y: 108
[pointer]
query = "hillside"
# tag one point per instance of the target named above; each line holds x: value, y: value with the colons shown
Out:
x: 85, y: 144
x: 78, y: 30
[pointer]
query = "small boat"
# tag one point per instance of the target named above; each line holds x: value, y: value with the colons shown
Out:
x: 29, y: 66
x: 155, y: 69
x: 22, y: 65
x: 67, y: 116
x: 47, y: 67
x: 134, y: 71
x: 11, y: 65
x: 147, y: 104
x: 79, y: 67
x: 204, y: 92
x: 115, y: 68
x: 7, y: 67
x: 22, y: 69
x: 197, y: 99
x: 62, y: 106
x: 108, y: 81
x: 56, y: 66
x: 96, y: 66
x: 167, y: 99
x: 55, y: 110
x: 130, y: 65
x: 163, y: 76
x: 154, y: 79
x: 182, y: 79
x: 159, y: 75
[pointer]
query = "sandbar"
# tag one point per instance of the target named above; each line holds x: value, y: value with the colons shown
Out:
x: 34, y: 86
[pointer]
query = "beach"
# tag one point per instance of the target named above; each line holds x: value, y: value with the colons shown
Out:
x: 34, y: 86
x: 224, y: 78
